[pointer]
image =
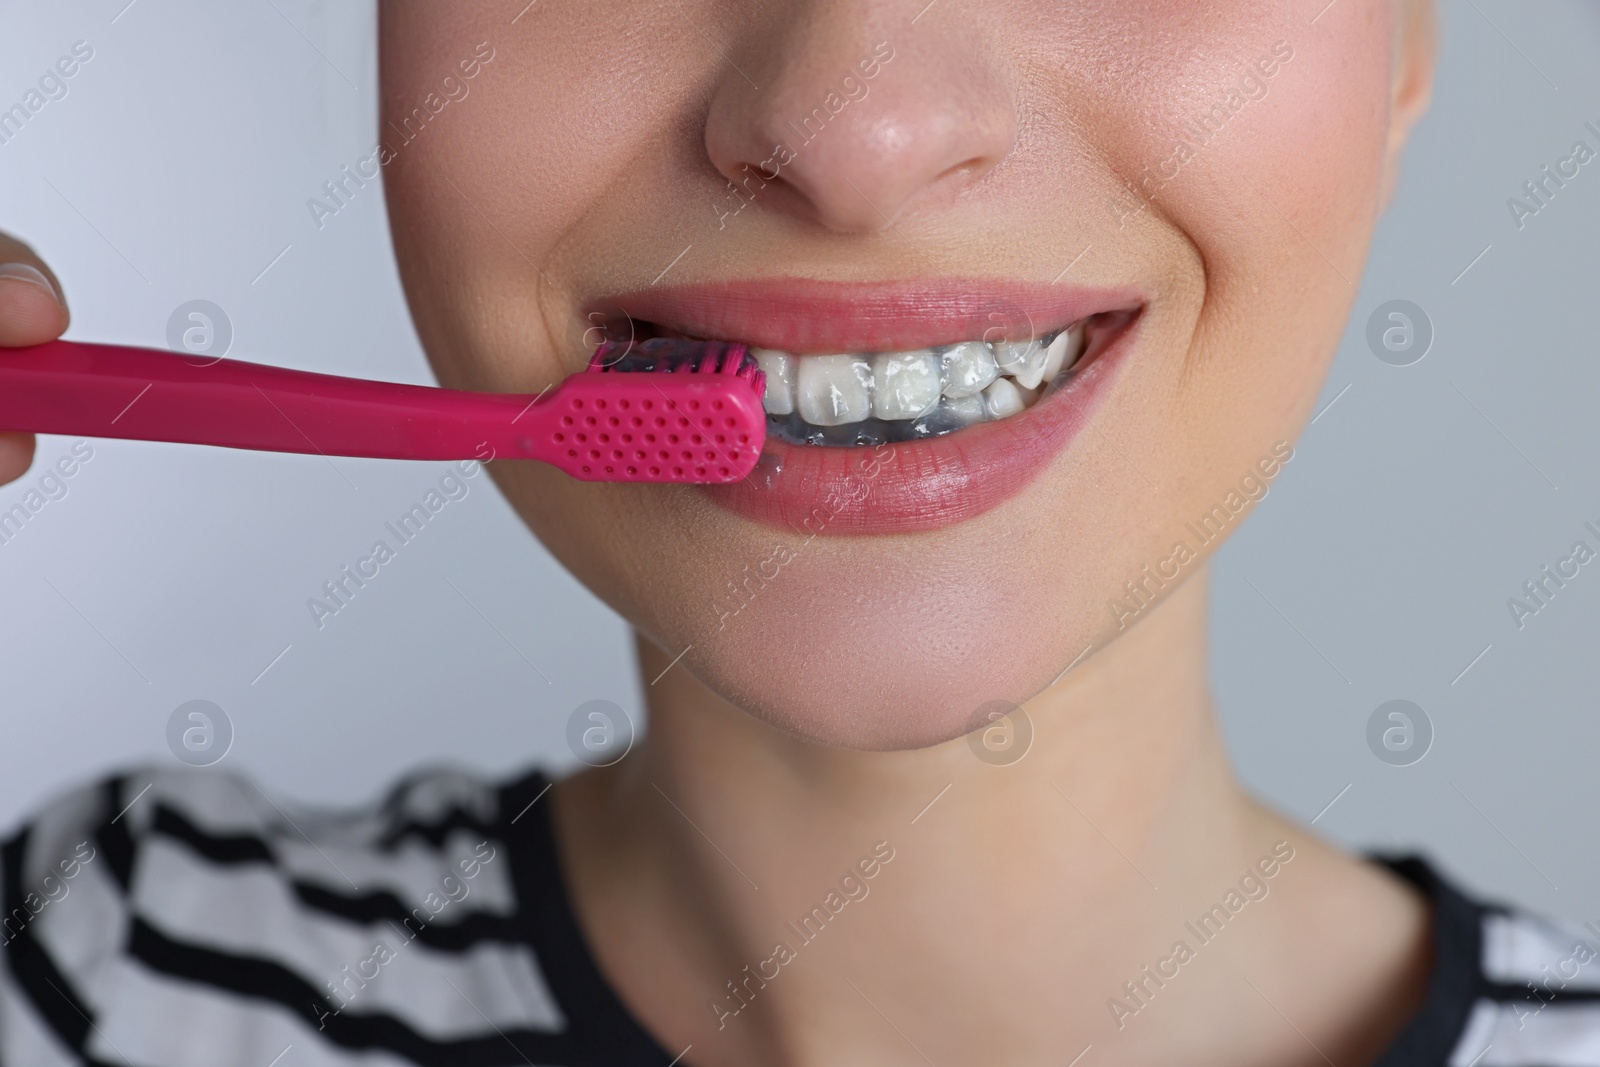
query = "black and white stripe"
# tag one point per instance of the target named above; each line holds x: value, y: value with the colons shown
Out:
x: 210, y: 926
x: 1480, y: 1010
x: 213, y: 927
x: 1540, y: 998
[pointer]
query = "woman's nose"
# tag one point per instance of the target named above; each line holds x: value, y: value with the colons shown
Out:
x: 860, y: 125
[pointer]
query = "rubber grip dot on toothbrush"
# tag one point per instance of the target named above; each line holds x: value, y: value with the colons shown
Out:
x: 677, y: 442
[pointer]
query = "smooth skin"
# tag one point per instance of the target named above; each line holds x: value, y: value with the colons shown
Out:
x: 830, y: 717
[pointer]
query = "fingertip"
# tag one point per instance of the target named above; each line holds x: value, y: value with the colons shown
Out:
x: 16, y: 455
x: 30, y: 311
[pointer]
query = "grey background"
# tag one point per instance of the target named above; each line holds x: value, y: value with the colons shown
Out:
x: 179, y: 165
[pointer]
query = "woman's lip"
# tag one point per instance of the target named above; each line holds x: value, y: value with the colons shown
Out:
x: 924, y: 485
x: 806, y: 315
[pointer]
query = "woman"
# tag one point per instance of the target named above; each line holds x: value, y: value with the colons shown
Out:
x: 1043, y: 293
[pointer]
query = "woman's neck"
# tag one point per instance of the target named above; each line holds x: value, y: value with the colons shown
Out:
x: 1010, y: 908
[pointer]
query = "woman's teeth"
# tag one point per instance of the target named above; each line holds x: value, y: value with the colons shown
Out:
x: 902, y: 396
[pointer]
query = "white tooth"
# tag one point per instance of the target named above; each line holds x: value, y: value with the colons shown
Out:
x: 1063, y: 352
x: 968, y: 369
x: 969, y: 409
x: 779, y: 369
x: 1022, y: 360
x: 905, y: 385
x: 1002, y: 398
x: 833, y: 390
x: 1009, y: 354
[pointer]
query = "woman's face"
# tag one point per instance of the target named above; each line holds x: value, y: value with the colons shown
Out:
x: 1194, y: 183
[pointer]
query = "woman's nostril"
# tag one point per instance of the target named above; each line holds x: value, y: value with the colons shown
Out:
x: 967, y: 171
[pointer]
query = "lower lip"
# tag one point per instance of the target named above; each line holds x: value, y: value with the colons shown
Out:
x: 921, y: 485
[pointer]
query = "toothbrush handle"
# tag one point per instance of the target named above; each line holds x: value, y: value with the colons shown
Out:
x: 140, y: 394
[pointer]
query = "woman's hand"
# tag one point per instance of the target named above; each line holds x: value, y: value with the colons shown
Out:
x: 31, y: 313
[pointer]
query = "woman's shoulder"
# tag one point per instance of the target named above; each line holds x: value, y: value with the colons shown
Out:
x: 152, y: 827
x: 176, y: 916
x: 1509, y: 987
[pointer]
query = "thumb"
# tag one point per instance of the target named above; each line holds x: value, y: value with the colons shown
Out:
x: 32, y: 312
x: 32, y: 309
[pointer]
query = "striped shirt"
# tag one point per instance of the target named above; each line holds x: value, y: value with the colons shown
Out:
x: 185, y: 919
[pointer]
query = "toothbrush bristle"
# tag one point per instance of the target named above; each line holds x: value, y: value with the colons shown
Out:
x: 674, y: 355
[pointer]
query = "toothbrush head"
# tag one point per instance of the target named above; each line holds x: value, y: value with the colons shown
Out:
x: 664, y: 410
x: 674, y: 355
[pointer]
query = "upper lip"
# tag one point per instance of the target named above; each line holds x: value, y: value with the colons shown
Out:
x: 802, y: 315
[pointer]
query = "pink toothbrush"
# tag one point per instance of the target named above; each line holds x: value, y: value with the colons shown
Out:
x: 658, y: 411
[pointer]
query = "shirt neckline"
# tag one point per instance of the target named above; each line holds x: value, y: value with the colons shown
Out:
x: 601, y: 1026
x: 1456, y: 979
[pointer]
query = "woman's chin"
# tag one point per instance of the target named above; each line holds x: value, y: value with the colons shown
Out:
x: 866, y: 718
x: 889, y: 699
x: 887, y: 649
